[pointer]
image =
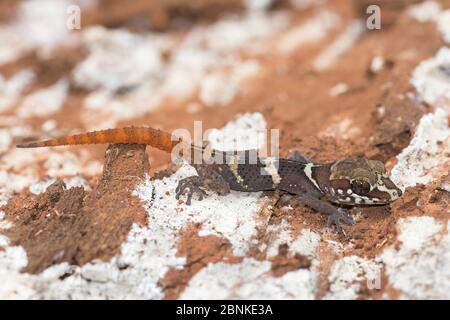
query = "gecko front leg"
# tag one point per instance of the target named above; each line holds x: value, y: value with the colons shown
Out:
x: 208, y: 179
x: 190, y: 186
x: 335, y: 215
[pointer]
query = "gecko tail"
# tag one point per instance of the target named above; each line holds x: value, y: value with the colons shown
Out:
x: 131, y: 135
x: 31, y: 145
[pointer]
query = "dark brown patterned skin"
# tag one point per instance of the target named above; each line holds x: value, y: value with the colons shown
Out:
x: 316, y: 185
x: 355, y: 181
x: 290, y: 177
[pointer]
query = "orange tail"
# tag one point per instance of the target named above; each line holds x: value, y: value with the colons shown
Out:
x: 139, y: 135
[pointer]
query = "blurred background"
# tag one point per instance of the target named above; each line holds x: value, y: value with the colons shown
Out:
x: 311, y: 68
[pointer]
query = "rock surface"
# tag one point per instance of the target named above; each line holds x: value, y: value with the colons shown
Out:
x: 99, y: 222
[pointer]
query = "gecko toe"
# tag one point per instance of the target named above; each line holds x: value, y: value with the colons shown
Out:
x: 189, y: 198
x: 284, y: 200
x: 346, y: 217
x: 341, y: 215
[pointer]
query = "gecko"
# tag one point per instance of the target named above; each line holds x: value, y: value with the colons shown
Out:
x: 327, y: 188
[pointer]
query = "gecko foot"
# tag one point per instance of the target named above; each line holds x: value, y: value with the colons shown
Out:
x: 190, y: 186
x: 337, y: 217
x: 284, y: 200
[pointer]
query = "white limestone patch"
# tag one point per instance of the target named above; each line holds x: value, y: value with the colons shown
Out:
x: 49, y: 125
x: 44, y: 101
x: 75, y: 181
x: 215, y: 48
x: 257, y: 5
x: 344, y: 128
x: 41, y: 186
x: 431, y: 11
x: 420, y: 267
x: 336, y: 247
x: 348, y: 273
x: 3, y: 223
x: 111, y: 64
x: 206, y: 61
x: 445, y: 185
x: 306, y: 243
x: 11, y: 130
x: 338, y: 89
x: 104, y: 109
x: 12, y: 259
x: 147, y: 263
x: 431, y: 78
x: 233, y: 33
x: 312, y: 31
x: 19, y: 171
x: 245, y: 132
x: 377, y: 64
x: 149, y: 251
x: 11, y: 89
x: 427, y: 155
x: 233, y: 217
x: 249, y: 279
x: 5, y: 140
x: 41, y: 22
x: 443, y: 23
x: 342, y: 44
x: 67, y: 164
x: 209, y: 49
x: 416, y: 231
x: 11, y: 183
x: 425, y: 11
x: 111, y: 67
x: 305, y: 4
x: 57, y: 163
x: 220, y: 88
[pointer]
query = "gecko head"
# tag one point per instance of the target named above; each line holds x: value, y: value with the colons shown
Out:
x: 360, y: 181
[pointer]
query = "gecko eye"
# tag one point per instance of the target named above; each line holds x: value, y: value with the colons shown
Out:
x: 360, y: 187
